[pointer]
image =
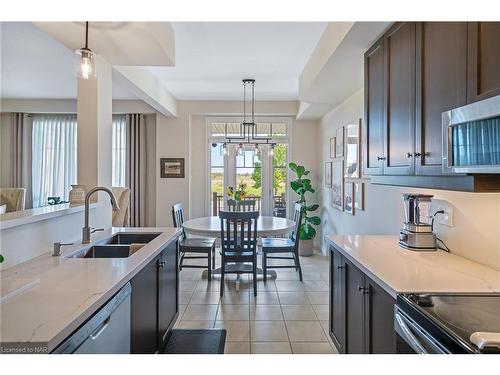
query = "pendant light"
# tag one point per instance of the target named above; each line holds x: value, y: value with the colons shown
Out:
x: 85, y: 59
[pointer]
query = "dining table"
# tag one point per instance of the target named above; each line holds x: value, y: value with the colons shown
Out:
x: 267, y: 226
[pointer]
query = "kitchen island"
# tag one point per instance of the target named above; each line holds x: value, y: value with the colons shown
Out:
x: 47, y: 298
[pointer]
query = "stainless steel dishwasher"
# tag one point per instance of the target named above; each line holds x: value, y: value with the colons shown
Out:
x: 106, y: 332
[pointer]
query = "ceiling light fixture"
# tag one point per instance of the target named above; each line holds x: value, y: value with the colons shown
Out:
x: 248, y: 127
x: 85, y: 59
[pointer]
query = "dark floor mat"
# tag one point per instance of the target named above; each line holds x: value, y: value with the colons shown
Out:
x: 196, y: 341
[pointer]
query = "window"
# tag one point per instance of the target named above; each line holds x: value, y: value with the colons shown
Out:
x: 216, y: 177
x: 249, y: 174
x: 279, y: 180
x: 54, y: 153
x: 263, y: 173
x: 118, y: 149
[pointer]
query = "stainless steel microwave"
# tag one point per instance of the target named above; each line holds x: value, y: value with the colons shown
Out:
x: 471, y: 138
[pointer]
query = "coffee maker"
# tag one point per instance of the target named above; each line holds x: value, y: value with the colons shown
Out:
x: 416, y: 234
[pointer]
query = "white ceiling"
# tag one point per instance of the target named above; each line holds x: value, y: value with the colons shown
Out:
x: 34, y: 65
x: 213, y: 57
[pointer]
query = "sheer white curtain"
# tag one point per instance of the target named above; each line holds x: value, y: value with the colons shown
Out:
x: 54, y: 153
x: 119, y: 150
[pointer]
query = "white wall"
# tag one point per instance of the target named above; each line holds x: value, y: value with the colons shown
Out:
x: 185, y: 136
x: 475, y: 234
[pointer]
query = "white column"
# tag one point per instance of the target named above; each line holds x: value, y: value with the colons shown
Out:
x: 94, y: 116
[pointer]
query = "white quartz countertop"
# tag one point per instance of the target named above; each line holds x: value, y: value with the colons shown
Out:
x: 404, y: 271
x: 57, y: 294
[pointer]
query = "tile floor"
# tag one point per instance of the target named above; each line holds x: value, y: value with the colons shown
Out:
x: 286, y: 317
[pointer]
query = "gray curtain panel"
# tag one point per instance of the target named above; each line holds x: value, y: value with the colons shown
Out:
x: 21, y: 155
x: 135, y: 172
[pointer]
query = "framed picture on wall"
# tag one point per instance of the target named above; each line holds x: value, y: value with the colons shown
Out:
x: 352, y: 150
x: 339, y: 142
x: 349, y: 197
x: 359, y: 195
x: 328, y: 174
x: 332, y: 148
x: 338, y: 184
x: 172, y: 168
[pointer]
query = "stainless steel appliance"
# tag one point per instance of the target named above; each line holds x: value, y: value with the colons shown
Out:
x: 417, y: 234
x: 471, y: 138
x: 447, y: 323
x: 106, y: 332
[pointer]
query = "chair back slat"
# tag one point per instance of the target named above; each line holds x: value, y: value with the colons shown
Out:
x: 297, y: 218
x: 245, y: 205
x: 238, y: 231
x: 178, y: 217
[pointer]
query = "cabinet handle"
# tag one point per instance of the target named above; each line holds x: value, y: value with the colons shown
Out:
x: 380, y: 158
x: 162, y: 264
x: 363, y: 289
x: 418, y: 154
x: 340, y: 267
x: 409, y: 155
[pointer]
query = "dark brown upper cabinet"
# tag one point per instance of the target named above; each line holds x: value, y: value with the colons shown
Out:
x: 373, y: 131
x: 399, y: 56
x: 483, y: 60
x: 441, y: 75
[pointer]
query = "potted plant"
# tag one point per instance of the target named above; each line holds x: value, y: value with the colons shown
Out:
x: 239, y: 194
x: 307, y: 232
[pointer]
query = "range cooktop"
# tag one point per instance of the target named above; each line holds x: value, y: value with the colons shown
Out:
x: 472, y: 321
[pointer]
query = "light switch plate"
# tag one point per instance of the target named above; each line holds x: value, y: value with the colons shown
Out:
x: 442, y: 219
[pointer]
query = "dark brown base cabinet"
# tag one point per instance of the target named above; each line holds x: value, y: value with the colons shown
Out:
x: 361, y: 312
x: 155, y: 302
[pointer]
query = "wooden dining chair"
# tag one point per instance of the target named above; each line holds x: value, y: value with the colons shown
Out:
x: 187, y: 245
x: 284, y: 245
x: 238, y: 233
x: 244, y: 205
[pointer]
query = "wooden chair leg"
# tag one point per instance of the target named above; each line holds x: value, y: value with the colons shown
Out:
x: 209, y: 258
x: 255, y: 277
x: 298, y: 264
x: 222, y: 270
x: 213, y: 256
x: 264, y: 264
x: 181, y: 260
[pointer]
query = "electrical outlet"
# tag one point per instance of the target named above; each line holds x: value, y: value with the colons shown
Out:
x: 442, y: 219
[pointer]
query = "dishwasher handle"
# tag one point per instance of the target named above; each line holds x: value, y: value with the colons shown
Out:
x: 94, y: 335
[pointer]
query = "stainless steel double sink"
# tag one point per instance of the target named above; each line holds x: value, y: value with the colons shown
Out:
x: 118, y: 246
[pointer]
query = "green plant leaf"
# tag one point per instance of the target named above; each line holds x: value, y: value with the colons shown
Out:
x: 314, y: 220
x: 312, y: 207
x: 293, y: 167
x: 300, y: 171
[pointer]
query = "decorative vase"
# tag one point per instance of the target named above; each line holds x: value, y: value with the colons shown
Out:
x: 77, y: 194
x: 306, y: 248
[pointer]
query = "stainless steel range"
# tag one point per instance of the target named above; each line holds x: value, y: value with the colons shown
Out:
x: 448, y: 323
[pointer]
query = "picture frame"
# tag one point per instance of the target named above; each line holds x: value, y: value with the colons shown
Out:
x: 352, y: 150
x: 332, y: 148
x: 338, y: 184
x: 328, y: 174
x: 339, y: 142
x: 172, y: 168
x: 349, y: 197
x: 359, y: 195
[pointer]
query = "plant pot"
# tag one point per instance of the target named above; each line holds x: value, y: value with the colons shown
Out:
x: 305, y: 248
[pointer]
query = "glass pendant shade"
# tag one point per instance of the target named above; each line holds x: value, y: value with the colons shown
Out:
x: 85, y: 64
